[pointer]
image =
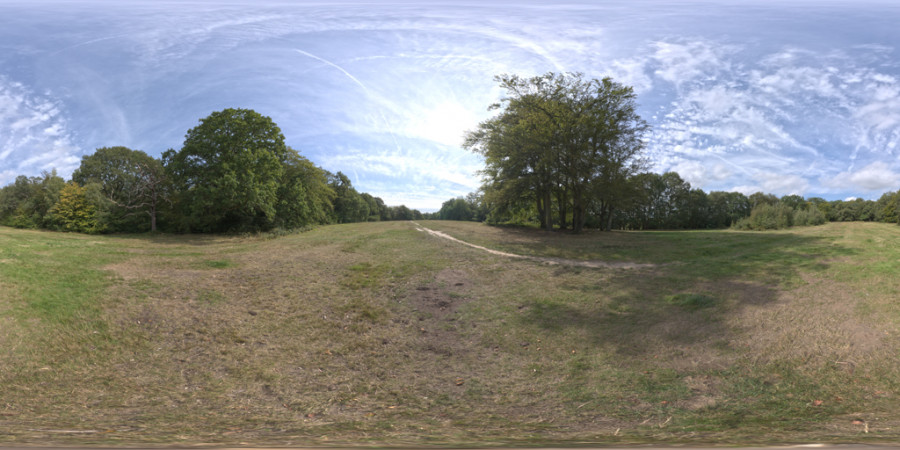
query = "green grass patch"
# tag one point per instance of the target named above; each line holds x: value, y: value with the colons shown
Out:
x: 691, y: 301
x: 218, y: 264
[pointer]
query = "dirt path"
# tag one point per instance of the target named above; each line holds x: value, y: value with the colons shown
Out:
x: 543, y: 259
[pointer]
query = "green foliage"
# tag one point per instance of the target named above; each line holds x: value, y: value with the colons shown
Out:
x: 74, y: 212
x: 852, y: 210
x: 27, y: 202
x: 456, y: 209
x: 811, y: 216
x: 349, y: 205
x: 228, y: 172
x: 134, y: 183
x: 471, y: 207
x: 888, y: 208
x: 767, y: 216
x: 562, y: 143
x: 758, y: 198
x: 304, y: 195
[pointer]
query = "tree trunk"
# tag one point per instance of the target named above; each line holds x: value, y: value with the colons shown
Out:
x: 577, y: 212
x: 562, y: 202
x: 547, y: 215
x: 541, y: 207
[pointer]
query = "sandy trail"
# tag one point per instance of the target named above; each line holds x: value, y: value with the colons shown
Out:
x: 543, y: 259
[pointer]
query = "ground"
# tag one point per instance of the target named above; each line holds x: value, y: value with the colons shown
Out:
x: 385, y: 334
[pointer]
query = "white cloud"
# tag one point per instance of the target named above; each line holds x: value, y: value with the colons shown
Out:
x: 632, y: 72
x: 873, y: 177
x: 33, y: 134
x: 775, y: 183
x: 781, y: 184
x: 681, y: 63
x: 421, y: 179
x: 701, y: 173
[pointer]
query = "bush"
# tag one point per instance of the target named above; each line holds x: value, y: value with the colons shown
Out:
x: 767, y: 217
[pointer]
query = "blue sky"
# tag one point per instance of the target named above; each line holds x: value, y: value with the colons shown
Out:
x: 786, y: 97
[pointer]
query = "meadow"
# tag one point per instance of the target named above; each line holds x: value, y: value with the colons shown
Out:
x: 382, y: 334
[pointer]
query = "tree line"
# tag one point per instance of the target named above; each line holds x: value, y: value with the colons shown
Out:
x: 565, y: 152
x: 667, y: 202
x: 234, y: 173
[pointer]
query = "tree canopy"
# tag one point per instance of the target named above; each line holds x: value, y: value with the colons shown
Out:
x: 563, y: 143
x: 234, y: 173
x: 228, y: 172
x: 133, y: 181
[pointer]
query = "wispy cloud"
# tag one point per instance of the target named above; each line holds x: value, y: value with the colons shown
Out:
x: 792, y: 117
x: 33, y: 134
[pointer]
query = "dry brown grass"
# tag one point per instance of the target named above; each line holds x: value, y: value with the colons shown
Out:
x: 380, y: 334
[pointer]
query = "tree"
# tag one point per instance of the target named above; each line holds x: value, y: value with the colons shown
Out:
x: 134, y: 182
x: 74, y: 211
x: 888, y: 207
x: 456, y: 209
x: 560, y: 141
x: 794, y: 201
x: 349, y: 205
x: 28, y: 201
x: 228, y: 171
x: 767, y: 216
x: 518, y: 170
x: 403, y: 213
x: 304, y: 195
x: 758, y: 198
x: 726, y: 208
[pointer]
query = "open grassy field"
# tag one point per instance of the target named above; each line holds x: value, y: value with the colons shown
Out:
x: 378, y: 333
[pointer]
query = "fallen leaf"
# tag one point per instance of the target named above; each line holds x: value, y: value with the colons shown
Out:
x: 818, y: 403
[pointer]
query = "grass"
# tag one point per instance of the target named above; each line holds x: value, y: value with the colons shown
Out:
x: 378, y: 334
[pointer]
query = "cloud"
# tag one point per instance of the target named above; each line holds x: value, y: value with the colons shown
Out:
x: 877, y: 176
x: 34, y: 135
x: 387, y: 91
x: 422, y: 178
x: 681, y: 63
x: 775, y: 183
x: 701, y: 174
x: 781, y: 184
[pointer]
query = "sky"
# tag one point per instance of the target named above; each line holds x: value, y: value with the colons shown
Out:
x: 784, y: 97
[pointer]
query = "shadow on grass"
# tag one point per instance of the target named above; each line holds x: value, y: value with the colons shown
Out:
x: 702, y: 279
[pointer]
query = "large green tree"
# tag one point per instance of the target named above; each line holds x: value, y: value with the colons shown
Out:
x: 561, y: 140
x: 133, y: 181
x: 517, y: 145
x: 228, y: 171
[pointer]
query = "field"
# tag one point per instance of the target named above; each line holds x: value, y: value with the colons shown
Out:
x: 382, y: 334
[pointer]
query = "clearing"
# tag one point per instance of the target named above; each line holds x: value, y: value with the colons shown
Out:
x: 380, y: 334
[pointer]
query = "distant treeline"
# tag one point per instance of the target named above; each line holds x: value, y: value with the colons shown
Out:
x: 668, y: 202
x: 234, y: 173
